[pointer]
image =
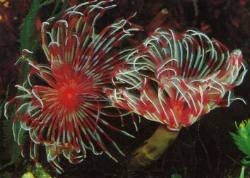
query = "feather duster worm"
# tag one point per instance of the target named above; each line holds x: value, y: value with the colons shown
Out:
x: 64, y: 113
x: 175, y: 78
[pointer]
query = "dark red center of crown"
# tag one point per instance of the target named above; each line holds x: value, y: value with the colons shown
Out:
x: 69, y: 96
x: 70, y: 85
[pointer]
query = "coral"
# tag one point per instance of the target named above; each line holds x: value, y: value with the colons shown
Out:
x: 61, y: 103
x: 242, y: 137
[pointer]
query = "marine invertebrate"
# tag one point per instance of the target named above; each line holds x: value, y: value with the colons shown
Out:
x: 174, y: 79
x: 63, y: 110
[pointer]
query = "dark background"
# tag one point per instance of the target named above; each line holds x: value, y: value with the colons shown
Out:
x: 204, y: 150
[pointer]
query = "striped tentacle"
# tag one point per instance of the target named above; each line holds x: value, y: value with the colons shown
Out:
x: 174, y: 78
x: 64, y: 112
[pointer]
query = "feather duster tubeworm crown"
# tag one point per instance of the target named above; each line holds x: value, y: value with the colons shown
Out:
x: 175, y: 78
x: 65, y: 113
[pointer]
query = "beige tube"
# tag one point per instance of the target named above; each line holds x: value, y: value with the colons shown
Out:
x: 154, y: 147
